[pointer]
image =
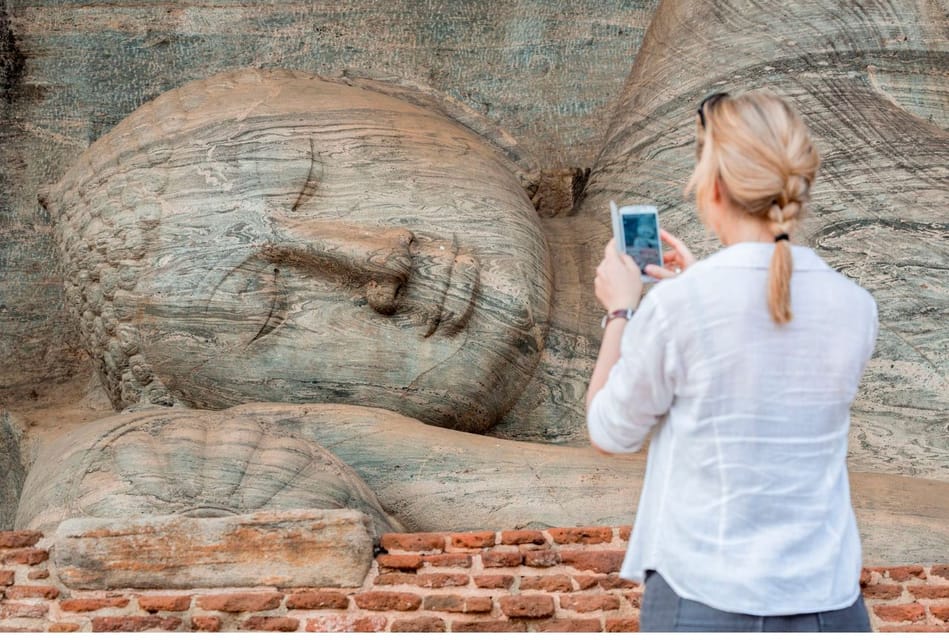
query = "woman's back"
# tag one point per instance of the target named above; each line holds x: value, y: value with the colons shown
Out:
x: 746, y: 364
x: 747, y: 490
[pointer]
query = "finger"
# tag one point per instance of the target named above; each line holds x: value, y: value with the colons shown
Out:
x: 685, y: 256
x: 670, y: 256
x: 672, y: 240
x: 628, y: 262
x: 610, y: 248
x: 659, y: 273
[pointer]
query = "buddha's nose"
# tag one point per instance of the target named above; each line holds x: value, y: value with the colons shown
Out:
x: 376, y: 259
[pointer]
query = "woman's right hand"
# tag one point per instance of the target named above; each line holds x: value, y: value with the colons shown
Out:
x: 675, y: 261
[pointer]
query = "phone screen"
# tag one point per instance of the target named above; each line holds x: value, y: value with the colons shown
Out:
x: 641, y: 235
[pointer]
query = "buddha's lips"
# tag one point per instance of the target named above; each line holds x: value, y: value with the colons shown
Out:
x: 456, y: 305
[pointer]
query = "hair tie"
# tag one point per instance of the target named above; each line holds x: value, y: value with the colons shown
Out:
x: 782, y: 236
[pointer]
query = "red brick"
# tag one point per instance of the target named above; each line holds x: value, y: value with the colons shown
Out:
x: 625, y: 532
x: 270, y: 623
x: 317, y: 599
x: 13, y: 539
x: 599, y: 561
x: 37, y: 574
x: 917, y: 628
x: 941, y: 611
x: 425, y: 580
x: 400, y: 562
x: 152, y: 604
x: 80, y: 605
x: 205, y: 623
x: 237, y: 602
x: 940, y: 570
x: 344, y: 623
x: 474, y: 539
x: 866, y: 576
x: 448, y: 560
x: 581, y: 535
x: 523, y: 536
x: 427, y: 624
x: 6, y: 578
x: 488, y: 626
x: 32, y: 591
x: 930, y: 592
x: 134, y: 623
x: 413, y: 541
x: 615, y: 582
x: 23, y: 610
x: 493, y: 559
x: 635, y: 599
x: 26, y: 556
x: 882, y: 591
x: 909, y: 572
x: 568, y: 626
x: 493, y: 581
x: 622, y: 625
x: 542, y: 558
x: 587, y: 603
x: 900, y: 612
x: 527, y: 606
x: 387, y: 601
x: 453, y: 603
x: 478, y: 604
x: 546, y: 583
x: 7, y: 629
x: 63, y: 627
x: 587, y: 582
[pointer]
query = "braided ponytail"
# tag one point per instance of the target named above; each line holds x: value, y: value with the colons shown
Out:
x: 761, y: 152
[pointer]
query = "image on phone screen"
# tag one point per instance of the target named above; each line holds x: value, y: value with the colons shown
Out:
x: 641, y: 235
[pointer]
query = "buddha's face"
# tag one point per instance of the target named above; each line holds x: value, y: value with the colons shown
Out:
x: 329, y: 244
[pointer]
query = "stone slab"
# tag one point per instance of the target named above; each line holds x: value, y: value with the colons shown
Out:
x: 298, y: 548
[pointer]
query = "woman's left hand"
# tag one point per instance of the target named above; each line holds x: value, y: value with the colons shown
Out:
x: 618, y: 283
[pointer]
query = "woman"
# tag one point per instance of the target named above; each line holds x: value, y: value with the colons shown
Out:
x: 746, y: 363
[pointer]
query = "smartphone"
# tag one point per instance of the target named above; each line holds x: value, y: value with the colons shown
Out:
x: 636, y: 229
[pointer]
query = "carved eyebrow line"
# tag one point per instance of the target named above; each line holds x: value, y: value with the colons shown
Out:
x: 308, y: 190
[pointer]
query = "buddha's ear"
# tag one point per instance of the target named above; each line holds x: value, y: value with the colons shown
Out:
x: 285, y: 172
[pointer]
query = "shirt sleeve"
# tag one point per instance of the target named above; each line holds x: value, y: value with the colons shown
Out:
x: 640, y: 387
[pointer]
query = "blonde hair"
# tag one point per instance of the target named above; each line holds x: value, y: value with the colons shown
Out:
x: 760, y: 152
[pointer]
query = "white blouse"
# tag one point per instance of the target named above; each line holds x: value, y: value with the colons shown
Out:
x: 745, y: 505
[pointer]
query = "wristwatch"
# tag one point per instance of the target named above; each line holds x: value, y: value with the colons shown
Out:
x: 619, y: 313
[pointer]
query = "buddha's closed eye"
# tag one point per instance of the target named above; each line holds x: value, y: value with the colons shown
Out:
x: 252, y: 295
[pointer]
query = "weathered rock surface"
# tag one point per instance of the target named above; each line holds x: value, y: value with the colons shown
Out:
x: 12, y: 470
x: 201, y: 464
x: 299, y: 548
x: 871, y: 82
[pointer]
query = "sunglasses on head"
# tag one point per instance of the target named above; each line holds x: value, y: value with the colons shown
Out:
x: 709, y: 100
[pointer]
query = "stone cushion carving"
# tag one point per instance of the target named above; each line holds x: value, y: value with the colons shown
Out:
x: 188, y: 463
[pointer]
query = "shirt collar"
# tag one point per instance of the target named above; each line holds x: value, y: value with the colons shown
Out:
x: 757, y: 255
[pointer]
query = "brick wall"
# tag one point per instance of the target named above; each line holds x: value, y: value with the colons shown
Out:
x: 551, y: 580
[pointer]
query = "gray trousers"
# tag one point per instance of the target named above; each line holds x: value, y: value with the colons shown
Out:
x: 663, y: 610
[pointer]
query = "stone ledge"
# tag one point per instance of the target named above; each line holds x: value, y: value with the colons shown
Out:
x: 297, y: 548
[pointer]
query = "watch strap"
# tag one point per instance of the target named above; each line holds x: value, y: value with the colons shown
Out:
x: 618, y: 313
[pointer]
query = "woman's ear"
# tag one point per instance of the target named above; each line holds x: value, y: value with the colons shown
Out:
x: 718, y: 191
